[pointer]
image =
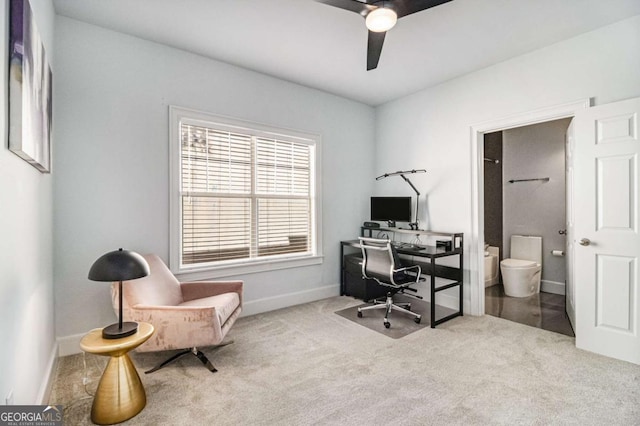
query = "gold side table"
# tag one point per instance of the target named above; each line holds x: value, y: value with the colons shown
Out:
x: 120, y: 394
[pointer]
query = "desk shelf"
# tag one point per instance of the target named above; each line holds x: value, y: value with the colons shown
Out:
x: 454, y: 237
x: 450, y: 277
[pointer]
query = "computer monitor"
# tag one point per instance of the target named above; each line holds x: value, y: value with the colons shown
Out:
x: 391, y: 209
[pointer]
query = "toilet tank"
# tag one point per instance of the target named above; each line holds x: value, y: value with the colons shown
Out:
x: 526, y: 248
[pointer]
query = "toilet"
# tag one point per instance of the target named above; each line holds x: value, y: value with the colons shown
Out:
x: 521, y: 272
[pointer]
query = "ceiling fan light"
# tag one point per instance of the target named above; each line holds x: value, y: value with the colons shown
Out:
x: 381, y: 19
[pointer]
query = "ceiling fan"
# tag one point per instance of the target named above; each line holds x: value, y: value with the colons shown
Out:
x: 380, y: 16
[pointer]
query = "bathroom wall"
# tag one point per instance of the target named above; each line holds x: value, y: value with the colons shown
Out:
x: 493, y: 191
x: 537, y: 208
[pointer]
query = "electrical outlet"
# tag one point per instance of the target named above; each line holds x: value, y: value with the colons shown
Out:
x: 9, y: 399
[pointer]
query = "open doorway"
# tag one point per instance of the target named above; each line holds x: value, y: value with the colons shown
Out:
x: 477, y: 247
x: 601, y: 201
x: 524, y: 225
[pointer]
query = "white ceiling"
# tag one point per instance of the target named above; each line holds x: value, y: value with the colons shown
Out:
x: 324, y: 47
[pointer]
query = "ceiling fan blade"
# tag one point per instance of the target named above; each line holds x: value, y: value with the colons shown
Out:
x: 352, y: 5
x: 407, y: 7
x: 374, y: 49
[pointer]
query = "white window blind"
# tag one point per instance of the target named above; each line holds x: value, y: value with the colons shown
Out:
x: 243, y: 196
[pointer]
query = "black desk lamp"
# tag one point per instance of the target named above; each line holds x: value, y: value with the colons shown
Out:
x: 413, y: 225
x: 120, y: 265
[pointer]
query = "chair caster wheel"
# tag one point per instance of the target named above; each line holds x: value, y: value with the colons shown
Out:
x: 387, y: 324
x: 417, y: 320
x: 359, y: 314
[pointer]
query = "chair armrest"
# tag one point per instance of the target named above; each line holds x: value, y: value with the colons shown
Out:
x: 416, y: 268
x: 408, y: 268
x: 178, y: 327
x: 200, y: 289
x: 174, y: 314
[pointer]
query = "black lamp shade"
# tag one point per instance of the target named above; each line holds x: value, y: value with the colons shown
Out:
x: 119, y: 265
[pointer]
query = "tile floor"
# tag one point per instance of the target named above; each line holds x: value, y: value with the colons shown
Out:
x: 543, y: 310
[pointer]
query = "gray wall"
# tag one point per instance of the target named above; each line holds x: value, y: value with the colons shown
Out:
x: 26, y: 266
x: 112, y: 180
x: 493, y: 191
x: 536, y: 208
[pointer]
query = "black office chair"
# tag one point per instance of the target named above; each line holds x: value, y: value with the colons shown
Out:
x: 380, y: 262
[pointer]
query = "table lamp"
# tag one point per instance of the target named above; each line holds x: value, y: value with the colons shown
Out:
x: 119, y: 265
x: 413, y: 225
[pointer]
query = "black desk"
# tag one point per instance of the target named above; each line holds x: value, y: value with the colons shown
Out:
x: 430, y: 254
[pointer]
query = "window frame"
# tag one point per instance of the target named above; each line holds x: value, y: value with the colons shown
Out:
x: 241, y: 266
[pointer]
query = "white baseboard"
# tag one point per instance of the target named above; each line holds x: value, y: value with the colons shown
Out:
x: 291, y: 299
x: 451, y: 302
x: 552, y: 287
x: 443, y: 298
x: 70, y: 345
x: 447, y: 301
x: 45, y: 388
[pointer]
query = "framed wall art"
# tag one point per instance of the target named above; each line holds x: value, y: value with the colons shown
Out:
x: 30, y: 81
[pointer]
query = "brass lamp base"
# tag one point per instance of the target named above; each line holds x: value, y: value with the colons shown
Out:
x: 117, y: 331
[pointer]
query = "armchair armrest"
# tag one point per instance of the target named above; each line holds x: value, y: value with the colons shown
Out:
x: 178, y: 327
x: 199, y: 289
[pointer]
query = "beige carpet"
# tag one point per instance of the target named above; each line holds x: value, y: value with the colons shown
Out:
x: 305, y: 365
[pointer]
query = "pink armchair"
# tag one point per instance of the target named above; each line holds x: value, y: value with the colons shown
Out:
x: 185, y: 315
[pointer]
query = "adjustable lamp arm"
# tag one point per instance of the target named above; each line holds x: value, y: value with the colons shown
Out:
x: 406, y: 179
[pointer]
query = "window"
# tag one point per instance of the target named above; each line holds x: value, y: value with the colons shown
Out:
x: 242, y: 193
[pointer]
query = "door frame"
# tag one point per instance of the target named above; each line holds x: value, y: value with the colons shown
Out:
x: 476, y: 249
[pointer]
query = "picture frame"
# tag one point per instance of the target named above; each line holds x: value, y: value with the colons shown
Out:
x: 30, y: 89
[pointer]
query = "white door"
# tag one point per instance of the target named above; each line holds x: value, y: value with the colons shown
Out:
x: 607, y: 245
x: 569, y: 253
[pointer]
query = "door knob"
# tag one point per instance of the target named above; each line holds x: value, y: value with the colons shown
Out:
x: 584, y: 242
x: 562, y: 231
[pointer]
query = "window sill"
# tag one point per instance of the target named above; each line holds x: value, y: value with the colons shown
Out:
x: 210, y: 272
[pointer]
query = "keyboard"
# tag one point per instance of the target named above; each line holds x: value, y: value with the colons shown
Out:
x: 407, y: 246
